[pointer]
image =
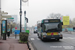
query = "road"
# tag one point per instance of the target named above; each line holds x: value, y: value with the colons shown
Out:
x: 67, y: 43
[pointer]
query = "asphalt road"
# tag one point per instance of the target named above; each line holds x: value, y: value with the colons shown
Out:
x: 67, y: 43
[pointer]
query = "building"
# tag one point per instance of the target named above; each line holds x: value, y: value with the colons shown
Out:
x: 2, y: 16
x: 15, y: 18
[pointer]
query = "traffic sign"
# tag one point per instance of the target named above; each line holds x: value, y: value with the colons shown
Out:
x: 15, y: 27
x: 10, y: 18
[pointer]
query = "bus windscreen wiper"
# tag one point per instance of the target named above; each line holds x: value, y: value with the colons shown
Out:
x: 53, y: 29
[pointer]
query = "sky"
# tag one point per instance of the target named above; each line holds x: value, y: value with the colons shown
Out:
x: 39, y: 9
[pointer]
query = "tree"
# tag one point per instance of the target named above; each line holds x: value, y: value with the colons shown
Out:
x: 73, y: 21
x: 13, y: 25
x: 55, y: 16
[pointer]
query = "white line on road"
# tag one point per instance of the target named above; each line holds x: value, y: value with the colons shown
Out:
x: 71, y: 38
x: 32, y: 38
x: 68, y: 37
x: 68, y: 47
x: 64, y: 47
x: 64, y: 37
x: 38, y: 39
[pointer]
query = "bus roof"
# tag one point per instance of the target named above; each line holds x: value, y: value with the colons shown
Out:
x: 49, y: 19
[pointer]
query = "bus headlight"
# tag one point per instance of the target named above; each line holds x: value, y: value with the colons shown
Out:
x: 44, y: 33
x: 60, y: 34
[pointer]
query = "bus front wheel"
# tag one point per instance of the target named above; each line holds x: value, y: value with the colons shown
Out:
x: 42, y: 38
x: 57, y: 39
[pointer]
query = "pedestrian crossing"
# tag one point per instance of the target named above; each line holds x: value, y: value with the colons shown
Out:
x: 63, y: 38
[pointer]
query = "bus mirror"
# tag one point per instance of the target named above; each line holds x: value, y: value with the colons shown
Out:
x: 41, y: 24
x: 62, y: 23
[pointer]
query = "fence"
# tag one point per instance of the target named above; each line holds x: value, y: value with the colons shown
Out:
x: 69, y: 29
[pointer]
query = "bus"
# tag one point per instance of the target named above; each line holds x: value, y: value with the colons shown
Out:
x: 35, y: 29
x: 73, y: 29
x: 50, y: 29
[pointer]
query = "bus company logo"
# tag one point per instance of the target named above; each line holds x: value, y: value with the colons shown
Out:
x: 54, y: 21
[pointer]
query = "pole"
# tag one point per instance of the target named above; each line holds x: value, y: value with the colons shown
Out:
x: 0, y: 19
x: 25, y: 20
x: 20, y: 13
x: 25, y: 25
x: 11, y: 28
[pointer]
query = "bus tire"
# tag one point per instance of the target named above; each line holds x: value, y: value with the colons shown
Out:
x: 42, y: 38
x: 38, y: 35
x: 57, y: 39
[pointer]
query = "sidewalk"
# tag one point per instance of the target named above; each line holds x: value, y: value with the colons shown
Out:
x: 12, y: 44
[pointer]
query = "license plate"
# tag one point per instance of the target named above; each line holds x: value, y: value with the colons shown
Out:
x: 52, y: 33
x: 52, y: 38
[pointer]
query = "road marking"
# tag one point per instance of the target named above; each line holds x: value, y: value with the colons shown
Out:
x: 38, y: 39
x: 32, y: 38
x: 55, y: 46
x: 68, y: 47
x: 64, y: 37
x: 64, y: 47
x: 68, y: 37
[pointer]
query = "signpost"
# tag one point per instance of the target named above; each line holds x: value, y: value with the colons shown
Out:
x: 15, y: 27
x: 10, y: 20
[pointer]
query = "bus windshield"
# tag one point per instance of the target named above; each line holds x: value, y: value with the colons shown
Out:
x: 51, y: 27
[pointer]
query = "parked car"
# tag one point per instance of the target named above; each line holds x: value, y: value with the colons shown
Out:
x: 73, y: 29
x: 35, y: 31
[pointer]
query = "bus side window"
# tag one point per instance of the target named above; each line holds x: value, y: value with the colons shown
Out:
x: 73, y: 27
x: 61, y: 23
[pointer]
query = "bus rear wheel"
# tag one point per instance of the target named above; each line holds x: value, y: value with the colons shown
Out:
x: 38, y: 36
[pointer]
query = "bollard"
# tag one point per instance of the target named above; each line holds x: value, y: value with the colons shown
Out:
x: 15, y: 35
x: 29, y: 48
x: 8, y: 34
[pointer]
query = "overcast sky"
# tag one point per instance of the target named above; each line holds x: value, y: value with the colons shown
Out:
x: 39, y: 9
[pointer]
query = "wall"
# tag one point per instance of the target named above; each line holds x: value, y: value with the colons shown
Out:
x: 69, y: 29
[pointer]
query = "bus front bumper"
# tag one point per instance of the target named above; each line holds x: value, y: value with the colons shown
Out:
x: 52, y: 37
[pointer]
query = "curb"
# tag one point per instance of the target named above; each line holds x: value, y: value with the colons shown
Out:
x: 32, y: 44
x: 28, y: 46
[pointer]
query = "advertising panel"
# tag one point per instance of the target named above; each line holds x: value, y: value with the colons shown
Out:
x: 4, y: 26
x: 65, y: 20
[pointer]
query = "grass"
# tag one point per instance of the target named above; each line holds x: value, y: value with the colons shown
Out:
x: 23, y: 41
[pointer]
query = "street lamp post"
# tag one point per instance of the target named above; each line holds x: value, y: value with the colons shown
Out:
x: 25, y: 19
x: 11, y: 28
x: 21, y: 11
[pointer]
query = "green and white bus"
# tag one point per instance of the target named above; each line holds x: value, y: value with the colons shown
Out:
x: 49, y: 29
